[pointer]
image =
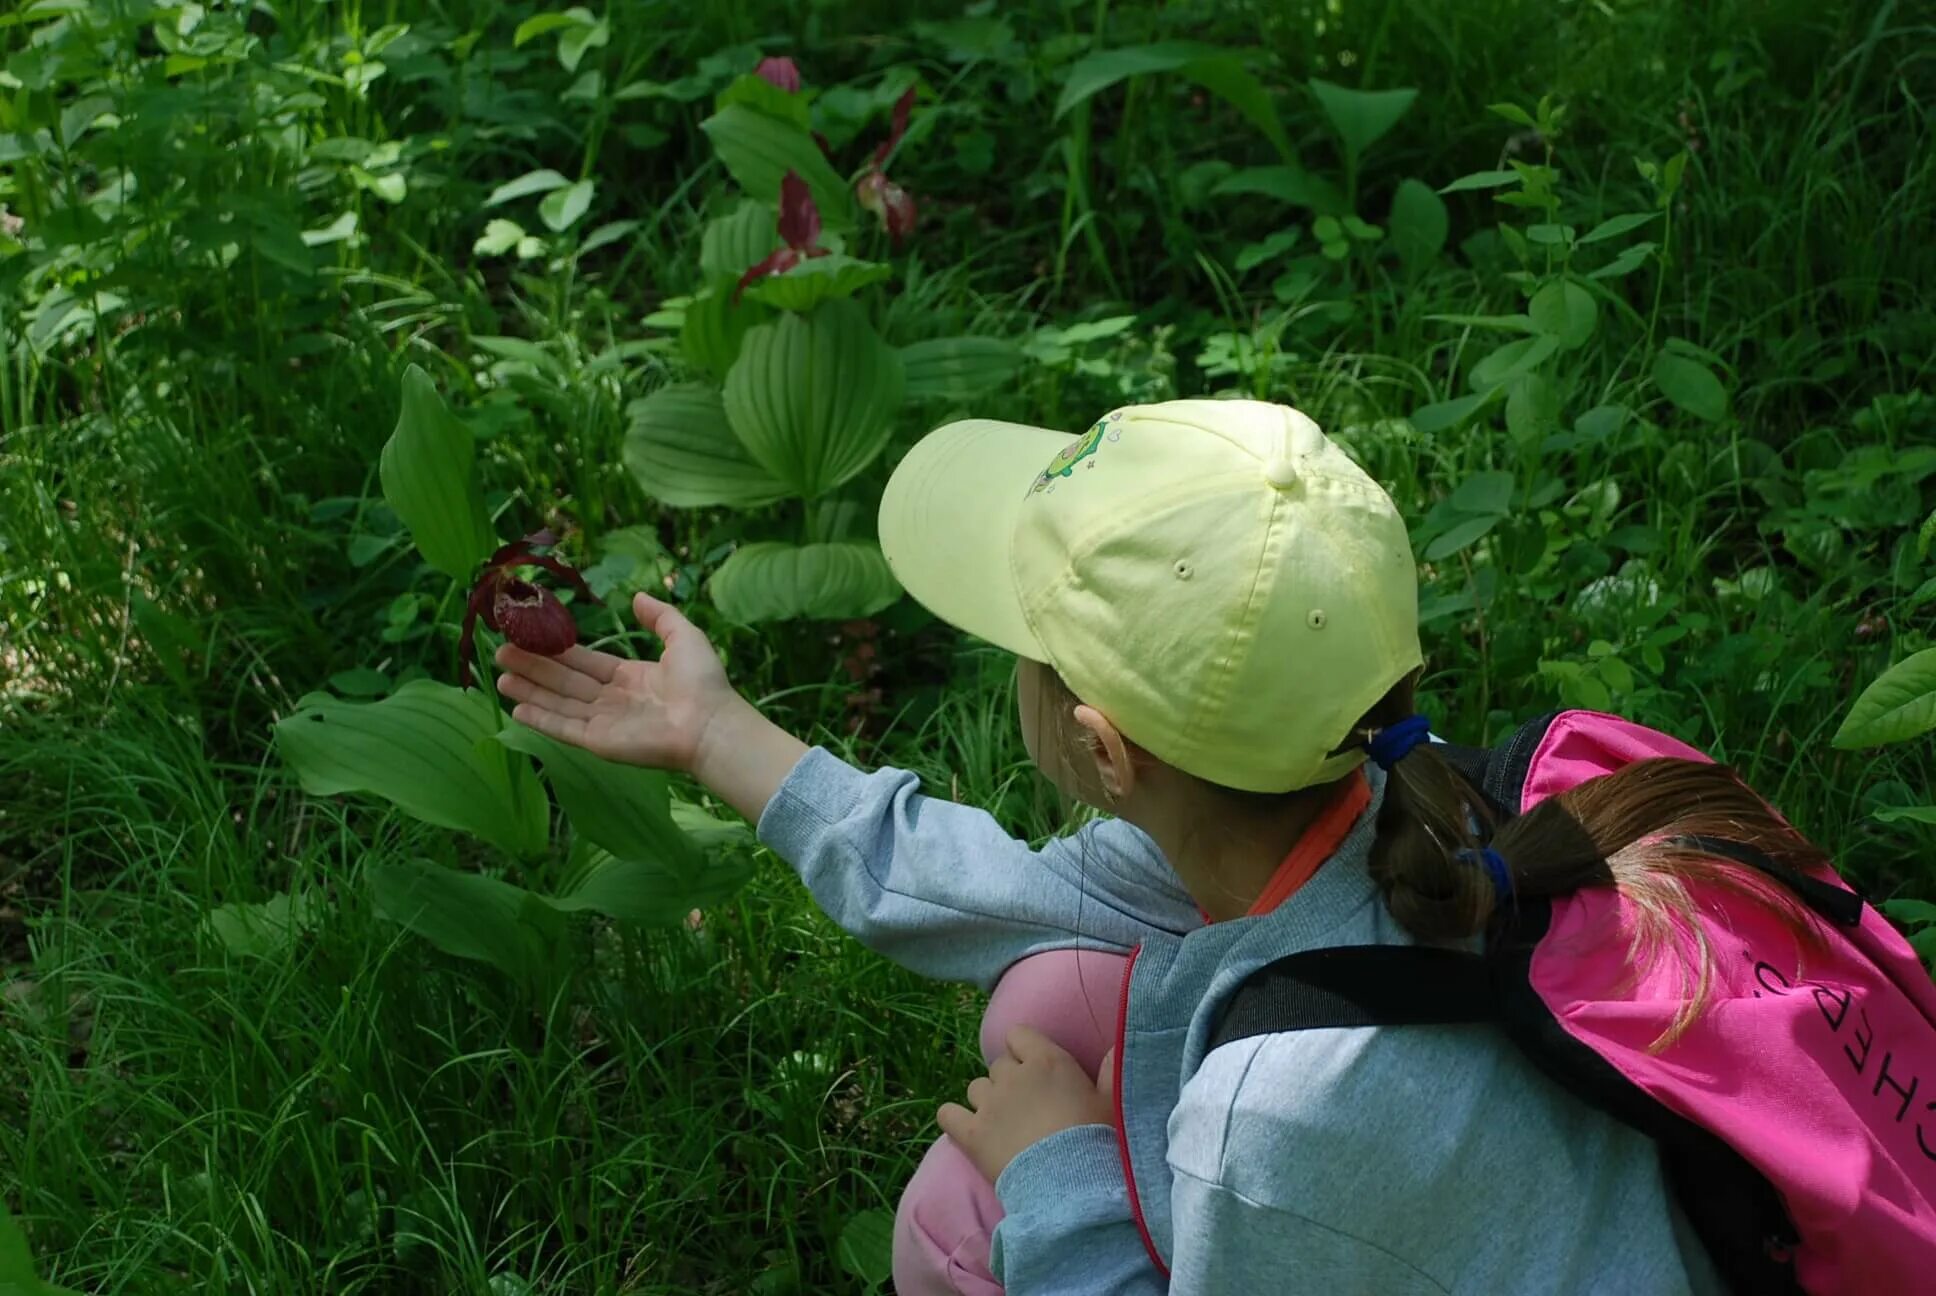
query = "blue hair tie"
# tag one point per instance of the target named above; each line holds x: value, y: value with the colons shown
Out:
x: 1495, y: 866
x: 1395, y: 742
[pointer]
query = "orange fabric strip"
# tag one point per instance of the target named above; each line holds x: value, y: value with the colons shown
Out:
x: 1319, y: 842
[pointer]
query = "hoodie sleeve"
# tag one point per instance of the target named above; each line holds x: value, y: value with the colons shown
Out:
x: 942, y: 890
x: 1067, y: 1229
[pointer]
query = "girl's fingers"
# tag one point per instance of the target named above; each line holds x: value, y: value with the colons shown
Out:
x: 662, y: 619
x: 560, y: 676
x: 549, y: 723
x: 956, y: 1121
x: 978, y: 1092
x: 521, y: 689
x: 601, y: 666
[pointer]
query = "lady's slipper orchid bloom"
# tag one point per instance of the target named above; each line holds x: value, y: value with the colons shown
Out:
x: 799, y: 228
x: 880, y: 195
x: 781, y: 72
x: 529, y: 615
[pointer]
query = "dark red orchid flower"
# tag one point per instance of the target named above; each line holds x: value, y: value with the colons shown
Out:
x: 880, y: 195
x: 529, y: 615
x: 799, y: 229
x: 781, y: 72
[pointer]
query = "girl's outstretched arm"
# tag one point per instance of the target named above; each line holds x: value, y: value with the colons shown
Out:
x: 939, y: 887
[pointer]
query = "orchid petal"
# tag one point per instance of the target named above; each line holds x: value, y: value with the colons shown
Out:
x: 799, y: 216
x: 779, y: 261
x: 902, y: 108
x: 781, y: 72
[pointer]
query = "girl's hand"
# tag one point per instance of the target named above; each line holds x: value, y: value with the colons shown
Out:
x: 678, y: 713
x: 1035, y: 1091
x: 638, y: 712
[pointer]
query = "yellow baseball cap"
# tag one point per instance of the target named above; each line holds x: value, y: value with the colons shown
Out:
x: 1215, y: 576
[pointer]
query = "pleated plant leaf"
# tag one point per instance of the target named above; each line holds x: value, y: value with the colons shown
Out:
x: 682, y: 451
x: 812, y: 397
x: 958, y: 367
x: 427, y: 750
x: 825, y: 582
x: 426, y: 470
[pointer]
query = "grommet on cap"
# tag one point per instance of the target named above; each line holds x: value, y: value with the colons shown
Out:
x: 1280, y: 473
x: 1316, y: 619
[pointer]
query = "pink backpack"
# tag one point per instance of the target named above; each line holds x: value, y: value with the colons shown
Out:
x: 1796, y: 1117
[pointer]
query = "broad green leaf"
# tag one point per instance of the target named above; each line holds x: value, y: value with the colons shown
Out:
x: 472, y: 916
x: 17, y: 1276
x: 763, y: 96
x: 1266, y: 249
x: 815, y: 280
x: 1691, y: 385
x: 1565, y: 310
x: 1481, y: 180
x: 1445, y: 415
x: 738, y: 241
x: 609, y: 232
x: 267, y: 929
x: 958, y: 367
x: 1908, y: 814
x: 1462, y: 536
x: 866, y: 1247
x: 1532, y: 406
x: 1361, y: 117
x: 823, y: 582
x: 531, y: 182
x: 758, y: 151
x: 813, y: 397
x: 1506, y: 323
x: 1615, y: 226
x: 1484, y: 492
x: 1501, y: 366
x: 576, y: 40
x: 623, y: 808
x: 715, y: 327
x: 337, y: 231
x: 1228, y: 79
x: 542, y: 24
x: 1289, y: 184
x: 1627, y: 262
x: 1215, y: 68
x: 561, y: 208
x: 1897, y: 706
x: 426, y: 749
x: 499, y: 237
x: 682, y: 451
x: 426, y: 470
x: 1513, y: 113
x: 651, y: 892
x: 1419, y: 225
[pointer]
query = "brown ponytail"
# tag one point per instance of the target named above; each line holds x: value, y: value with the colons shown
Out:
x: 1620, y: 829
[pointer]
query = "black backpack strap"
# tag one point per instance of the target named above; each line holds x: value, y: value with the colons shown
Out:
x: 1359, y: 985
x: 1499, y: 773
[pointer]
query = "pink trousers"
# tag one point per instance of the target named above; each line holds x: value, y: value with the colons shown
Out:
x: 949, y: 1211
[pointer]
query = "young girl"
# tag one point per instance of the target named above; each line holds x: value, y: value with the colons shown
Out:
x: 1216, y: 616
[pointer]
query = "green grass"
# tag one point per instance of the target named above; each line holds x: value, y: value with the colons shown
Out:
x: 192, y: 537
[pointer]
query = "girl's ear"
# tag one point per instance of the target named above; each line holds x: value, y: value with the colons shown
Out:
x: 1115, y: 764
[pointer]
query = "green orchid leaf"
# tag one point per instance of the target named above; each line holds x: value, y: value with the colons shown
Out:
x: 758, y: 151
x: 826, y: 582
x: 427, y: 476
x: 813, y: 397
x: 473, y: 917
x: 957, y: 368
x: 815, y: 280
x: 682, y: 451
x: 426, y: 749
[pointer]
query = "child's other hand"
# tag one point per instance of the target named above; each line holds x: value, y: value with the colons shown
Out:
x: 640, y: 712
x: 1035, y: 1091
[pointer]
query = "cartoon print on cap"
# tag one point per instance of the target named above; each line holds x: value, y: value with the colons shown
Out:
x: 1076, y: 452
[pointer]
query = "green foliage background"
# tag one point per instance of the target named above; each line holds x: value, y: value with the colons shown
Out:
x: 1703, y: 501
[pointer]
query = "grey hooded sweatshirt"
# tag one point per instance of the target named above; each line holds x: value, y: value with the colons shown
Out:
x: 1366, y: 1160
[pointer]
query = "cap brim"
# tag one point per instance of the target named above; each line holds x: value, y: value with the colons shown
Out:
x: 947, y: 518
